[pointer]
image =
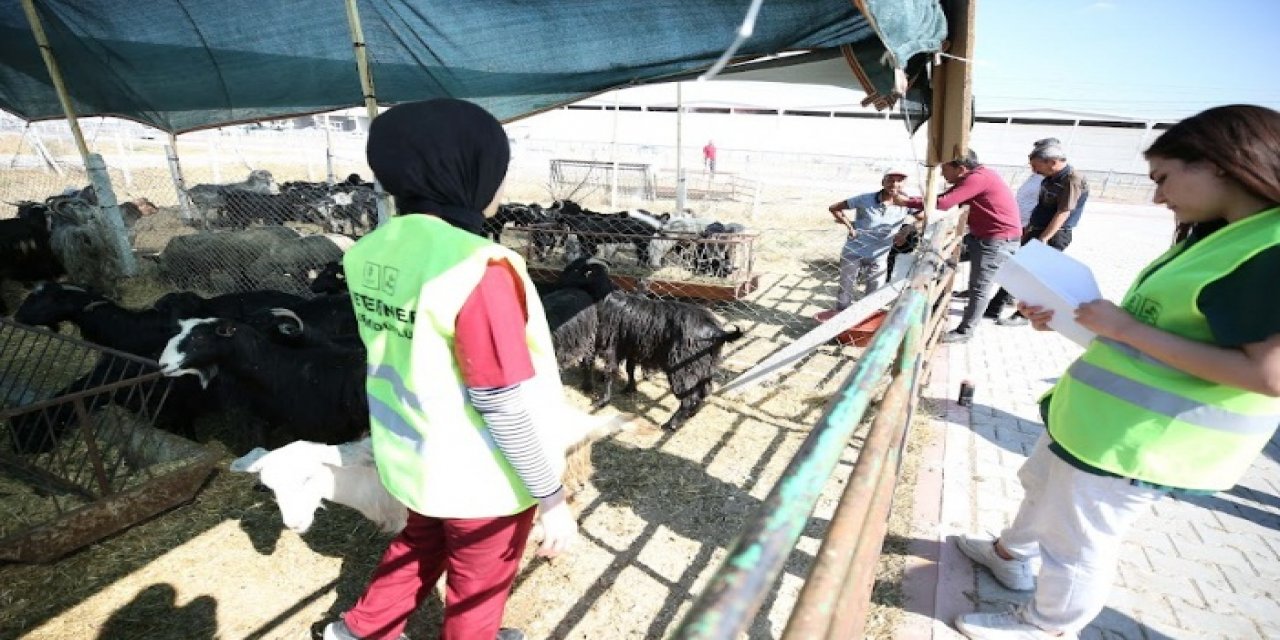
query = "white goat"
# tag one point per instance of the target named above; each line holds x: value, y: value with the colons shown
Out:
x: 302, y: 473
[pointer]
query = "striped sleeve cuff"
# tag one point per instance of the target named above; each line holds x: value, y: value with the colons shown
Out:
x: 504, y: 412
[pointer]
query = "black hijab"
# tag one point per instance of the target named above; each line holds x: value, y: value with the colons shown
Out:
x: 445, y: 157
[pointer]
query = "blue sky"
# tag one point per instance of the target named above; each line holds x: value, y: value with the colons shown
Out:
x: 1145, y: 58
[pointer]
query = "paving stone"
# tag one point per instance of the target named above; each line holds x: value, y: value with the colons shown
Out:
x: 1258, y: 608
x: 1146, y: 585
x: 1205, y: 622
x: 1212, y: 554
x: 1172, y: 566
x: 1253, y: 546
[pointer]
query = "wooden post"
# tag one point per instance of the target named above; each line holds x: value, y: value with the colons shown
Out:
x: 953, y: 88
x: 386, y: 208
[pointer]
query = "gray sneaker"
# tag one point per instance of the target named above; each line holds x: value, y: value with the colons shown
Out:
x: 1009, y: 625
x: 510, y: 634
x: 340, y: 631
x: 1013, y: 574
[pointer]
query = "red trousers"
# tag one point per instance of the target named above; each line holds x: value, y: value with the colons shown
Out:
x: 480, y: 557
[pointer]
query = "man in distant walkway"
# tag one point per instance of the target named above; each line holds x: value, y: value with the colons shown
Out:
x: 709, y: 156
x: 876, y: 222
x: 1062, y: 198
x: 994, y: 230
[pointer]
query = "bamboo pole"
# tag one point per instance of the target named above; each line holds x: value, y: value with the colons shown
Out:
x: 94, y: 165
x: 55, y: 75
x: 386, y: 208
x: 680, y: 184
x: 613, y: 151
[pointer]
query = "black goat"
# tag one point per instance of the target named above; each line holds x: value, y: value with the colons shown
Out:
x: 26, y: 254
x: 242, y: 208
x: 186, y: 304
x: 331, y: 278
x: 571, y: 313
x: 681, y: 339
x: 592, y: 229
x: 141, y: 333
x: 101, y: 321
x: 312, y: 392
x: 519, y: 215
x: 330, y: 316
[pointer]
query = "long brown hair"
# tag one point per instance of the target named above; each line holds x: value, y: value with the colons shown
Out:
x: 1242, y: 140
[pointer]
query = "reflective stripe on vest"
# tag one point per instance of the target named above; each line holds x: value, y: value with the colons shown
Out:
x: 1171, y: 404
x: 393, y: 420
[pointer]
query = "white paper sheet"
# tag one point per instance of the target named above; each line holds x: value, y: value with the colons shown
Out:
x: 1043, y: 276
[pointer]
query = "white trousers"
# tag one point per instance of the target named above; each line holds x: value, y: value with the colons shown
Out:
x: 1074, y: 521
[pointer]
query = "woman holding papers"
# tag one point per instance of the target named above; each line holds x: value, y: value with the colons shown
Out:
x: 1179, y: 392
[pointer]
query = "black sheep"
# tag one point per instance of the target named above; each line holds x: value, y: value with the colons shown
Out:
x: 312, y: 392
x: 681, y: 339
x: 571, y: 313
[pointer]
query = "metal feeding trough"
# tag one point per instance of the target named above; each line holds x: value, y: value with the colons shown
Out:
x: 80, y: 456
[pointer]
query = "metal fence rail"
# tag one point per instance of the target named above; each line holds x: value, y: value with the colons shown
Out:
x: 834, y: 601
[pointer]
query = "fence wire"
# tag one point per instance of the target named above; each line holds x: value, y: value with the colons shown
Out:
x: 267, y: 209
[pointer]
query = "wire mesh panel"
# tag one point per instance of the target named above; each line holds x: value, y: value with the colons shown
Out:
x: 688, y: 265
x: 81, y: 456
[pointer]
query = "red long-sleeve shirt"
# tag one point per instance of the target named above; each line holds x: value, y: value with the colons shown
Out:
x: 993, y: 210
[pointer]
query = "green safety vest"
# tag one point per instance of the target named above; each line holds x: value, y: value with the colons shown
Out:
x: 1122, y: 411
x: 408, y: 281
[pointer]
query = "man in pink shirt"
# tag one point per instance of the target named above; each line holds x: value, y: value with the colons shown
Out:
x: 994, y: 231
x: 709, y: 156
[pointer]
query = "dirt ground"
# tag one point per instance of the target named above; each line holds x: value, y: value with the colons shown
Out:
x: 656, y: 519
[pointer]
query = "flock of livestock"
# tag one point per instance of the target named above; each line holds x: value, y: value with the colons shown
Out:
x: 349, y: 207
x: 283, y: 361
x: 297, y: 365
x: 700, y: 246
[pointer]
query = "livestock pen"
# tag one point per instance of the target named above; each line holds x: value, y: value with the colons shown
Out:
x: 662, y: 509
x: 659, y: 513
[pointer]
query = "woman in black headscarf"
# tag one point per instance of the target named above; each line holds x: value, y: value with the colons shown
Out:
x: 462, y: 382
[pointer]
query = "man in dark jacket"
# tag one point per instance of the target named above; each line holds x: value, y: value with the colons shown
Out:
x: 1062, y: 197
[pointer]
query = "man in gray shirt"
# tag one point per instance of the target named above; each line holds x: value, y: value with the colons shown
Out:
x: 874, y: 223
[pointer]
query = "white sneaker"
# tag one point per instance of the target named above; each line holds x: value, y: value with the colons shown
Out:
x: 1004, y: 626
x: 1013, y: 574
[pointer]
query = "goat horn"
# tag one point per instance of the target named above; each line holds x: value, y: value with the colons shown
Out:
x: 281, y: 312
